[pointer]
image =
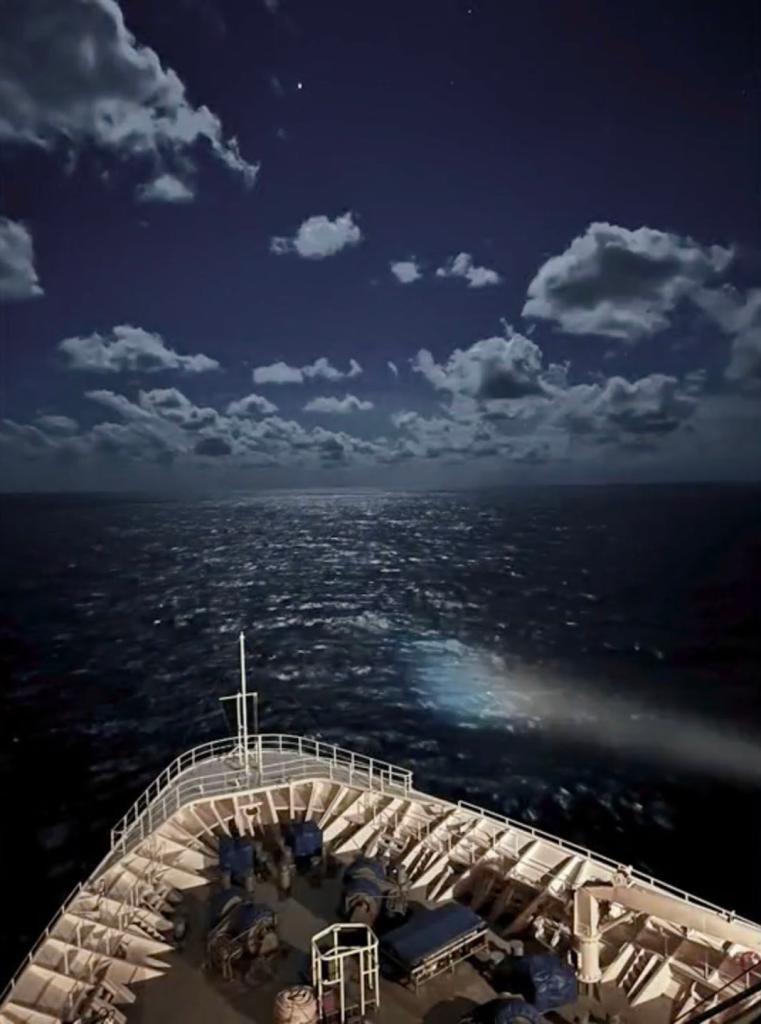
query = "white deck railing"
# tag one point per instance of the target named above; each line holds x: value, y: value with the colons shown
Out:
x: 598, y: 858
x: 216, y: 768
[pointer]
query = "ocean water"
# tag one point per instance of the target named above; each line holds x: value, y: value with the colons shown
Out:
x: 585, y: 659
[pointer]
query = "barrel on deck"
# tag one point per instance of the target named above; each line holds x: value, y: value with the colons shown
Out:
x: 295, y: 1005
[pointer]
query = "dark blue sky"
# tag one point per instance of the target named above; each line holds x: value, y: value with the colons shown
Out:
x: 501, y: 130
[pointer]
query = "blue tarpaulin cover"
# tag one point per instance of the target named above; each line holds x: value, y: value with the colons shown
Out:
x: 222, y: 902
x: 304, y: 838
x: 506, y: 1011
x: 236, y: 855
x: 247, y: 914
x: 239, y: 912
x: 543, y: 979
x: 366, y: 886
x: 426, y: 932
x: 365, y: 866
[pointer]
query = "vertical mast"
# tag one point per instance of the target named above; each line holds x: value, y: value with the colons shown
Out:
x: 243, y: 715
x: 241, y: 711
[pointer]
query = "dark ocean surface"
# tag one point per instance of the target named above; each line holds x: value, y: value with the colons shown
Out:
x: 586, y: 659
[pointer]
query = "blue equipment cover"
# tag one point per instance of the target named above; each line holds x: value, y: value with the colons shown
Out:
x: 247, y: 915
x: 365, y: 866
x: 554, y: 982
x: 366, y: 886
x: 222, y: 903
x: 428, y: 931
x: 542, y: 979
x: 304, y: 838
x: 236, y: 855
x: 505, y: 1011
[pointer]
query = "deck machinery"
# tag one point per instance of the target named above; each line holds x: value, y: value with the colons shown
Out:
x: 642, y: 952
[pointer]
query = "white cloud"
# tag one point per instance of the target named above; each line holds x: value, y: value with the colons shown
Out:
x: 166, y: 188
x: 622, y: 284
x: 319, y: 237
x: 341, y: 406
x: 393, y: 367
x: 462, y: 266
x: 744, y: 368
x: 406, y: 271
x: 321, y: 368
x: 117, y: 403
x: 251, y: 405
x: 18, y: 277
x: 653, y: 405
x: 171, y: 404
x: 130, y: 348
x: 72, y: 74
x: 738, y: 315
x: 59, y: 425
x: 495, y: 368
x: 278, y: 373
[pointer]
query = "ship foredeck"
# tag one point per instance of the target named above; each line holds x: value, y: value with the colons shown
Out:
x: 644, y: 950
x: 189, y: 993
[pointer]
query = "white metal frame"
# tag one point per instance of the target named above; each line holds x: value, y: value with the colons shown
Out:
x: 333, y: 951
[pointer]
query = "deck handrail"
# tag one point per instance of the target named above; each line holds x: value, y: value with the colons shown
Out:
x: 266, y: 743
x: 600, y: 858
x: 305, y: 758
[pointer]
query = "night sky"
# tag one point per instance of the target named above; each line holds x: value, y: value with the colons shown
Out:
x: 254, y: 243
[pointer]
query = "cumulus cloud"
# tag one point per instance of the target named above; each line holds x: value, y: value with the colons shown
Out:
x: 251, y: 405
x: 322, y: 368
x: 406, y: 271
x: 61, y: 425
x: 18, y: 277
x: 72, y: 74
x: 319, y: 237
x: 494, y: 368
x: 166, y: 188
x: 171, y: 404
x: 623, y: 284
x: 744, y: 368
x: 462, y: 265
x: 130, y: 348
x: 117, y: 403
x: 278, y: 373
x: 653, y: 405
x: 738, y: 315
x: 341, y: 406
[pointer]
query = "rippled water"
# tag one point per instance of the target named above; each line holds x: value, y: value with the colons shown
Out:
x: 585, y: 659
